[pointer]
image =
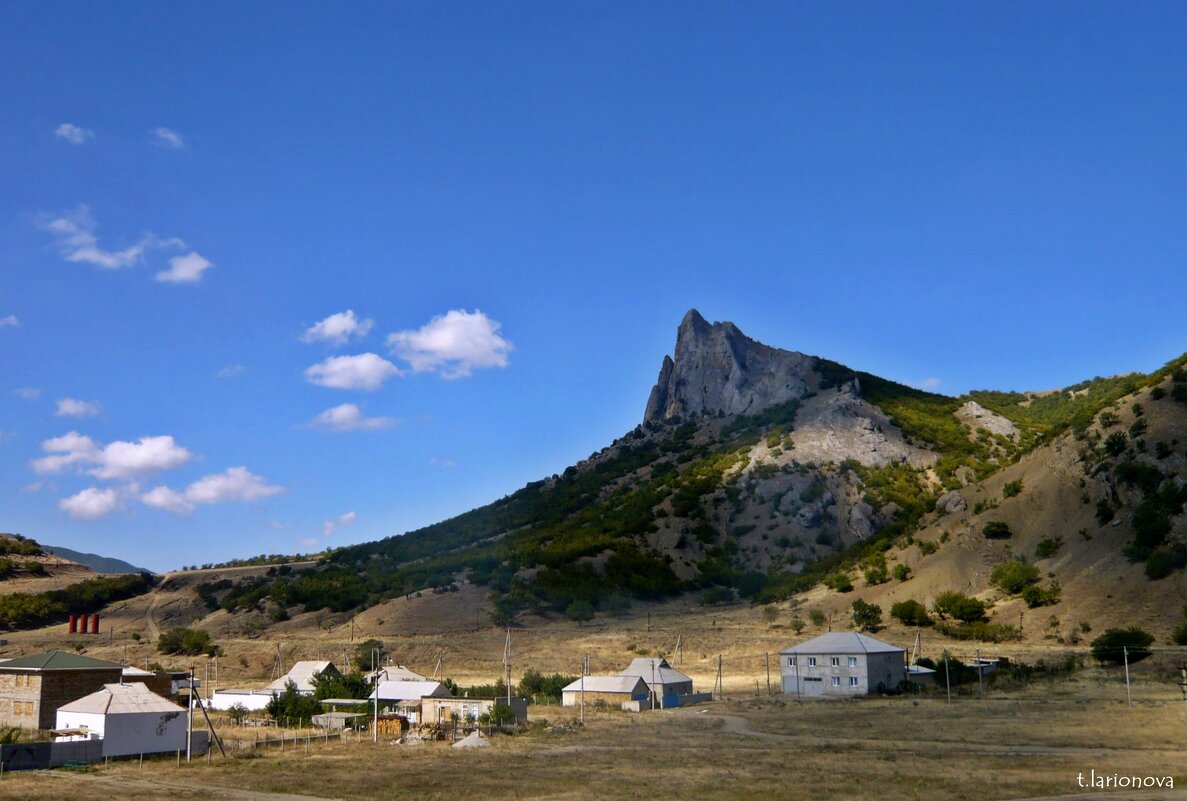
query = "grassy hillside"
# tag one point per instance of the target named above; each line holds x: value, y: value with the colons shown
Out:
x: 656, y: 513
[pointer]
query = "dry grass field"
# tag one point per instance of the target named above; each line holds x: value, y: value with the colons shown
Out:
x: 1031, y: 746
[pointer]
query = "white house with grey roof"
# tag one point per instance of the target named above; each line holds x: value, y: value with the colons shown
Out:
x: 129, y: 718
x: 841, y: 663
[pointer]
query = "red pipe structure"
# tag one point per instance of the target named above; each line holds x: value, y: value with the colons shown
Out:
x: 74, y: 624
x: 95, y: 623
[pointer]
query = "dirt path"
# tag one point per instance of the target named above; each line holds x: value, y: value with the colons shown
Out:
x: 126, y: 785
x: 150, y: 620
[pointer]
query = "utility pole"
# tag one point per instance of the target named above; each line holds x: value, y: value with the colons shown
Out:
x: 507, y: 665
x: 189, y: 724
x: 720, y: 683
x: 767, y: 659
x: 980, y: 674
x: 584, y: 665
x: 1128, y: 691
x: 1183, y: 687
x: 652, y: 688
x: 947, y: 678
x: 649, y: 621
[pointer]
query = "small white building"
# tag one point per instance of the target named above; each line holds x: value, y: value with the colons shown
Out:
x: 406, y: 696
x: 130, y: 719
x: 611, y: 690
x: 252, y: 700
x: 841, y: 663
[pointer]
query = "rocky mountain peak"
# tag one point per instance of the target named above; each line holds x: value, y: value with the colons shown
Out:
x: 719, y: 369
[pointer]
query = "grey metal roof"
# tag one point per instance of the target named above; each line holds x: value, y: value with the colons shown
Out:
x: 607, y: 684
x: 58, y: 660
x: 654, y: 670
x: 116, y: 699
x: 843, y: 642
x: 301, y: 674
x: 410, y: 690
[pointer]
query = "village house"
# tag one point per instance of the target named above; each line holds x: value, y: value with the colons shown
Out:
x: 301, y: 676
x: 612, y: 691
x: 841, y: 663
x: 669, y: 686
x: 32, y: 688
x: 129, y: 718
x: 406, y: 697
x: 440, y: 711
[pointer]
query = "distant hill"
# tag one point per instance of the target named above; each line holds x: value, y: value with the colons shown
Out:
x: 100, y: 564
x: 762, y: 473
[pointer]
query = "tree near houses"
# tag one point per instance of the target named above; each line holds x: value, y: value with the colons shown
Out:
x: 866, y: 616
x: 1116, y: 645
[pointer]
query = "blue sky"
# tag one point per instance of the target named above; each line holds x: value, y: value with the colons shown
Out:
x: 529, y: 196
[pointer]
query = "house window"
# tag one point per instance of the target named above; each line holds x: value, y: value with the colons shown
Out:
x: 836, y: 681
x: 834, y: 660
x: 791, y: 661
x: 811, y: 661
x: 853, y: 661
x: 853, y: 681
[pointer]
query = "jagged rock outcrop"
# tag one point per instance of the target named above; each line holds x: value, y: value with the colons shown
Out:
x: 837, y: 425
x: 719, y: 369
x: 975, y: 416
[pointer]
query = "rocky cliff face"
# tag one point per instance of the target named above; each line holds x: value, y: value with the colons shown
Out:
x: 719, y: 369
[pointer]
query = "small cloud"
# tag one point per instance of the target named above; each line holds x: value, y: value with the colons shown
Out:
x: 338, y: 328
x: 185, y: 269
x: 445, y: 463
x: 71, y: 407
x: 366, y: 371
x: 10, y: 321
x: 27, y: 393
x: 452, y: 344
x: 277, y: 525
x: 328, y: 527
x: 231, y: 485
x: 36, y: 486
x: 231, y: 371
x: 349, y: 417
x: 90, y: 504
x: 929, y: 384
x: 167, y: 137
x: 168, y: 500
x: 75, y: 237
x: 68, y: 132
x: 307, y: 542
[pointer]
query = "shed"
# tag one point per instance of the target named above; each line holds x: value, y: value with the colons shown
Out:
x: 614, y: 690
x: 130, y: 719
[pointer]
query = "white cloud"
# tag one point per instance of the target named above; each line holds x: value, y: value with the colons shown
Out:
x: 338, y: 328
x: 27, y: 393
x: 90, y: 504
x: 117, y: 460
x: 929, y: 384
x: 36, y: 486
x: 446, y: 463
x: 307, y: 542
x: 366, y: 371
x: 452, y: 344
x: 65, y: 451
x: 73, y: 134
x: 233, y: 484
x: 168, y: 500
x: 277, y: 525
x: 185, y: 269
x: 124, y: 460
x: 71, y: 407
x: 328, y: 527
x: 74, y: 234
x: 231, y: 371
x: 349, y: 417
x: 10, y: 321
x: 167, y: 137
